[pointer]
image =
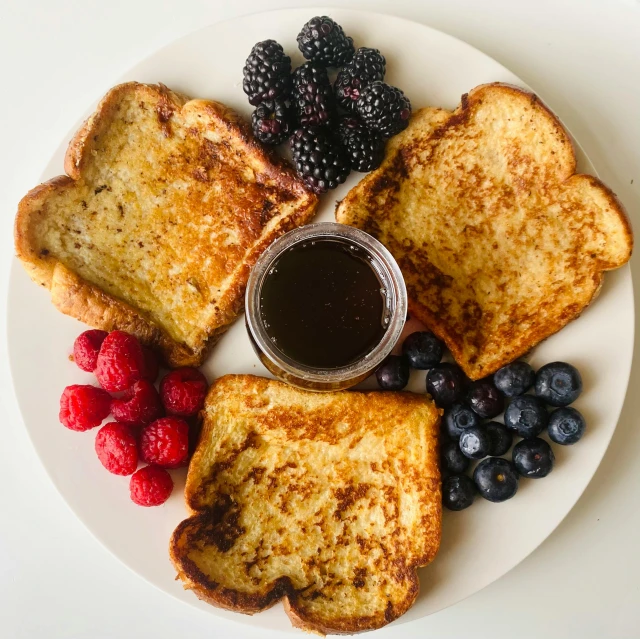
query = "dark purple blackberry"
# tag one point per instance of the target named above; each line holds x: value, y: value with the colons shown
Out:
x: 267, y: 72
x: 272, y: 121
x: 323, y: 40
x: 319, y: 158
x: 384, y: 109
x: 310, y: 73
x: 312, y: 94
x: 364, y: 147
x: 366, y: 66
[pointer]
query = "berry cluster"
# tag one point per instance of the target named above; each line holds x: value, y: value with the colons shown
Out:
x: 149, y: 426
x: 466, y: 404
x: 332, y: 129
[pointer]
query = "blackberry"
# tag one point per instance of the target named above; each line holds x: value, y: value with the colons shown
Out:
x: 384, y: 109
x: 312, y: 94
x: 267, y: 72
x: 272, y: 121
x: 366, y: 66
x: 319, y: 158
x: 323, y: 40
x: 310, y: 73
x: 364, y: 147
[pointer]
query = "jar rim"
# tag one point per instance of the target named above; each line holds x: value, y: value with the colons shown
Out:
x: 381, y: 258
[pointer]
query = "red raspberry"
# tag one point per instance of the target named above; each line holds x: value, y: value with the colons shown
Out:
x: 117, y: 449
x: 151, y: 364
x: 83, y: 406
x: 150, y: 486
x: 86, y: 349
x: 139, y: 405
x: 120, y: 362
x: 183, y: 391
x: 165, y: 442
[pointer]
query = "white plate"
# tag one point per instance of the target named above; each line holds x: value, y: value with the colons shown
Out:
x: 479, y: 544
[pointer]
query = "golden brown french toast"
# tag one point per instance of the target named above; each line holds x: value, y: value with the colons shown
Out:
x: 500, y: 242
x: 329, y: 501
x: 166, y: 205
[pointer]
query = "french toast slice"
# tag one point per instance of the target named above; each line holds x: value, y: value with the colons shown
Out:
x: 500, y: 242
x: 166, y: 205
x: 329, y: 501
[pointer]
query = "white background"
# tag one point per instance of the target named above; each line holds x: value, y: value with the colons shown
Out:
x: 57, y: 57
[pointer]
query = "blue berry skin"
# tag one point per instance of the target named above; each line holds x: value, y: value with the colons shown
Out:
x: 423, y: 350
x: 526, y: 415
x: 446, y: 383
x: 558, y: 384
x: 475, y: 442
x: 514, y: 379
x: 485, y: 399
x: 496, y: 479
x: 533, y: 458
x: 453, y: 462
x: 501, y: 438
x: 457, y: 418
x: 458, y: 492
x: 393, y: 373
x: 566, y: 426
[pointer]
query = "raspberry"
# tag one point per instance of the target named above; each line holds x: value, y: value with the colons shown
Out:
x: 116, y: 448
x: 86, y: 349
x: 120, y: 362
x: 183, y: 391
x: 165, y: 442
x: 83, y: 406
x: 150, y: 486
x: 140, y: 405
x: 151, y: 364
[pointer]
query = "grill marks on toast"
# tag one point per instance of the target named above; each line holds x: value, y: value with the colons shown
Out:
x: 500, y: 242
x: 168, y: 204
x: 313, y: 497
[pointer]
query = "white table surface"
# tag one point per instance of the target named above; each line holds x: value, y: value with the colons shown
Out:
x: 58, y: 56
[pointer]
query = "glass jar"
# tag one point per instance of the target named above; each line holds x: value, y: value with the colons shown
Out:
x: 392, y: 289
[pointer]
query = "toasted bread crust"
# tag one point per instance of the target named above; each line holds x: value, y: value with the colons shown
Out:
x: 512, y: 195
x: 78, y: 151
x: 87, y: 300
x: 247, y: 421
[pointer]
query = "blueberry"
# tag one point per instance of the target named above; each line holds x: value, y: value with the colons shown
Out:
x: 566, y: 426
x: 446, y: 383
x: 526, y: 415
x: 514, y: 379
x: 558, y: 384
x: 456, y: 418
x: 393, y: 373
x: 452, y: 459
x: 423, y: 350
x: 485, y: 398
x: 475, y: 442
x: 458, y: 492
x: 496, y: 479
x: 501, y: 438
x: 533, y: 458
